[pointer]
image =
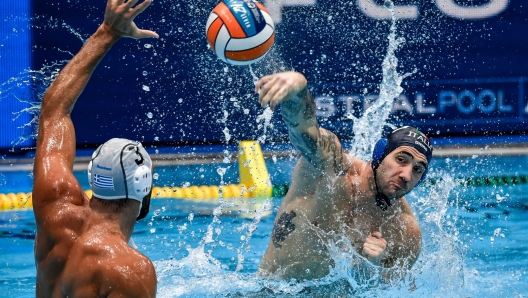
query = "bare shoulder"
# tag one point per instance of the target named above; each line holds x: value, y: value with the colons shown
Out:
x: 355, y: 164
x: 108, y: 268
x: 55, y: 187
x: 130, y: 274
x: 60, y: 211
x: 407, y: 217
x: 406, y: 237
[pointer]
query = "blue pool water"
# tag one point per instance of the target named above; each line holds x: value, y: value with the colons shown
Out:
x: 474, y: 240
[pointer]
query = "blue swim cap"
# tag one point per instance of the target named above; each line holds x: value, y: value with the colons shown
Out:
x: 403, y: 136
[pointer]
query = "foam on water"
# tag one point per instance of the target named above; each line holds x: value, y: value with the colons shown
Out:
x: 199, y: 273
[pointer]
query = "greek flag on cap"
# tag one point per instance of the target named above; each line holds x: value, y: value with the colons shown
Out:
x: 114, y: 169
x: 102, y: 181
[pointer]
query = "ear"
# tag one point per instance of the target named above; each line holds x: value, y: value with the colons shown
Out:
x: 379, y: 150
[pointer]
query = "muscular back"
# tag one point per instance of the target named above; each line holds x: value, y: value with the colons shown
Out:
x: 103, y: 265
x: 77, y: 255
x: 79, y: 248
x: 61, y: 210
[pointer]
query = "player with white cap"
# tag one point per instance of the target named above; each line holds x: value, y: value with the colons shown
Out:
x: 81, y: 244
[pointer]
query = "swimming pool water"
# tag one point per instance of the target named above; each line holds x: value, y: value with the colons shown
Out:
x: 474, y: 239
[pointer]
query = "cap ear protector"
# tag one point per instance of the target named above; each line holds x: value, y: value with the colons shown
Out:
x: 142, y: 177
x: 142, y: 187
x: 379, y: 154
x: 144, y: 207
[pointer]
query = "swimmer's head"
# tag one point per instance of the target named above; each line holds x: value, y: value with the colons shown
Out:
x: 403, y: 136
x: 122, y: 169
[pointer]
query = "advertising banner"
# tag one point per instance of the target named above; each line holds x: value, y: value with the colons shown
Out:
x: 464, y: 66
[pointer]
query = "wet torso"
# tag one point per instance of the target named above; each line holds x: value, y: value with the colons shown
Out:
x: 321, y: 212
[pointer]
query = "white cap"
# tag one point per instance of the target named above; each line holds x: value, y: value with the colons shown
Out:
x: 120, y: 169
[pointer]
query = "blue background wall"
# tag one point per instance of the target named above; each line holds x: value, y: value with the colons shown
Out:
x: 469, y: 75
x: 15, y: 57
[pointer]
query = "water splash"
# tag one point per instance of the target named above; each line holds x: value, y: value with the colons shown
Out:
x: 440, y: 269
x: 38, y: 82
x: 369, y: 127
x: 200, y: 274
x: 442, y: 263
x: 266, y: 116
x: 253, y: 75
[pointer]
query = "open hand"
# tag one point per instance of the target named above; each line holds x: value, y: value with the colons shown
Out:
x: 374, y: 248
x: 119, y: 18
x: 278, y: 88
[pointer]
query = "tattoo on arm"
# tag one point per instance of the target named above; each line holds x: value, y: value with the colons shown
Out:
x: 318, y: 146
x: 283, y: 228
x: 333, y: 150
x: 308, y: 110
x: 299, y: 115
x: 330, y: 152
x: 289, y: 113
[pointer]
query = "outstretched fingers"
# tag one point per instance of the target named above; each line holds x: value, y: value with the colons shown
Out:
x: 140, y: 8
x: 116, y: 2
x: 145, y: 34
x: 268, y: 93
x: 130, y: 3
x: 119, y: 18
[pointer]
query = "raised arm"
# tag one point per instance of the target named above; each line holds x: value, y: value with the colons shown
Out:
x: 56, y: 136
x: 318, y: 146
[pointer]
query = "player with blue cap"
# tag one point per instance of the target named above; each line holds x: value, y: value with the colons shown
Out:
x: 403, y: 136
x: 338, y: 201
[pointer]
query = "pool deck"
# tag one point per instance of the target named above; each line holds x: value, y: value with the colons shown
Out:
x: 189, y: 155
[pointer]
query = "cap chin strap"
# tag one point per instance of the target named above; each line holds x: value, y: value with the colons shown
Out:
x: 382, y: 200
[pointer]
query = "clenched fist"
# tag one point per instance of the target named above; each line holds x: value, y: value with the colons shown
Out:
x: 374, y: 248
